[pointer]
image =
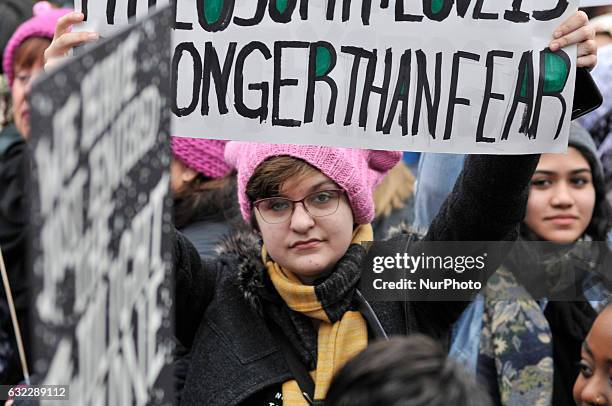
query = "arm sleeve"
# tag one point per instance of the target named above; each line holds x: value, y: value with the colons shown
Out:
x: 488, y: 203
x: 194, y: 288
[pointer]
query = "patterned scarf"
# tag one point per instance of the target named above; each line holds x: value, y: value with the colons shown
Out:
x: 516, y: 336
x: 342, y: 332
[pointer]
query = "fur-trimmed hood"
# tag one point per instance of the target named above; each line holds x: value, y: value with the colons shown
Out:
x: 243, y: 248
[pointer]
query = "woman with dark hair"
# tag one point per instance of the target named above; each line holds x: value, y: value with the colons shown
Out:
x: 204, y: 189
x: 523, y: 335
x: 594, y: 383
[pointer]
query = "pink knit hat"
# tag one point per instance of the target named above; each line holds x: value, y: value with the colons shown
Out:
x: 205, y: 156
x: 357, y: 171
x: 41, y: 25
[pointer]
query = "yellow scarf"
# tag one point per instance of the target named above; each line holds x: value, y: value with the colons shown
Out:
x: 336, y: 342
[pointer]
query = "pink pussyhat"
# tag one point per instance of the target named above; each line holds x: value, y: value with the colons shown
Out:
x: 357, y: 171
x: 202, y: 155
x: 42, y: 25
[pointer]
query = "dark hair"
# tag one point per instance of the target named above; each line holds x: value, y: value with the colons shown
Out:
x: 601, y: 221
x: 407, y: 371
x: 206, y: 197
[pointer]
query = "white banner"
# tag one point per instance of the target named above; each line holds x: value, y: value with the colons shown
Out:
x: 441, y: 75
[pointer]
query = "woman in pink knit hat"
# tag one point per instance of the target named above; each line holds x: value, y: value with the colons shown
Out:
x: 204, y: 190
x: 278, y: 312
x: 23, y: 58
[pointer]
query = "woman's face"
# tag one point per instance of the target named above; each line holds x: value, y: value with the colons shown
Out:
x: 594, y: 383
x: 305, y: 245
x: 19, y: 92
x: 561, y: 197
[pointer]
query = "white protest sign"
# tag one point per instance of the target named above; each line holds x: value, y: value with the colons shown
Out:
x: 469, y: 76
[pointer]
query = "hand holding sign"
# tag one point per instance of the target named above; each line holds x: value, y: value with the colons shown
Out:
x: 577, y: 30
x: 426, y: 78
x: 64, y: 40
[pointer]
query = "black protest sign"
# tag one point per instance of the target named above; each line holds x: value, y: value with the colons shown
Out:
x: 102, y: 255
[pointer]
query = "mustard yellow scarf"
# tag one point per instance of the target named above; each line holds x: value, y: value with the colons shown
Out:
x: 336, y: 342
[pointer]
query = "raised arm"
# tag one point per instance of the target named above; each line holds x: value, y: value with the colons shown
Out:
x: 488, y: 201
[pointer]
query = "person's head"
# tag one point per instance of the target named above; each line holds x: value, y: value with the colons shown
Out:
x: 567, y: 194
x: 594, y: 383
x: 198, y: 168
x: 196, y: 161
x: 406, y: 371
x: 334, y: 186
x: 24, y: 59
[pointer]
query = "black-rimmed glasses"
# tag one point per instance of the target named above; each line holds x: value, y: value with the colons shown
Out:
x: 275, y: 210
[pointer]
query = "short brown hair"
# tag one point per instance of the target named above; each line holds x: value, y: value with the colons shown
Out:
x: 30, y: 52
x: 269, y: 177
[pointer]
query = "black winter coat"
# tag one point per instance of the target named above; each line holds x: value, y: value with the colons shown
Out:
x: 218, y: 312
x: 14, y: 243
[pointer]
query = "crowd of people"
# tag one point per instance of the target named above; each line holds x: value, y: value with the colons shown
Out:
x: 268, y: 255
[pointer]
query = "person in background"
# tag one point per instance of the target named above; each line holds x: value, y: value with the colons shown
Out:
x: 436, y: 177
x: 203, y: 186
x: 437, y: 172
x: 12, y: 13
x: 599, y: 121
x: 393, y: 201
x: 566, y: 207
x: 204, y: 190
x: 594, y: 383
x: 22, y: 62
x: 405, y: 371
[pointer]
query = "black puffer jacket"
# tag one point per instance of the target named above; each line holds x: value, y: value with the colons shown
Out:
x: 218, y: 305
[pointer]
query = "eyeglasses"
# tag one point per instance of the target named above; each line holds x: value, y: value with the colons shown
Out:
x: 275, y: 210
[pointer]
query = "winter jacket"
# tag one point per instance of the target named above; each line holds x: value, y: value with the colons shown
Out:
x: 13, y: 241
x: 205, y: 235
x: 219, y: 307
x: 216, y: 216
